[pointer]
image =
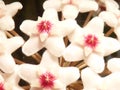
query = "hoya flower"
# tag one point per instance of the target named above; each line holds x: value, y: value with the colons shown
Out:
x: 93, y: 81
x: 7, y: 47
x: 48, y: 75
x: 111, y: 82
x: 11, y: 80
x: 46, y: 32
x: 6, y: 13
x: 66, y: 6
x: 90, y: 44
x: 110, y: 16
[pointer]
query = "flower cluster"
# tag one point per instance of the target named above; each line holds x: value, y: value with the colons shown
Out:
x: 64, y: 40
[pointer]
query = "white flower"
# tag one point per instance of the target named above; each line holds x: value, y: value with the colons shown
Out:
x: 7, y: 47
x: 110, y: 16
x: 48, y: 75
x: 46, y: 32
x: 10, y: 81
x: 90, y: 79
x: 112, y: 81
x: 6, y: 13
x: 93, y: 81
x: 76, y: 6
x: 91, y: 45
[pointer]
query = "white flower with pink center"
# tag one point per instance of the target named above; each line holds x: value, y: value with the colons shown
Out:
x: 90, y: 44
x: 76, y: 6
x: 46, y: 32
x: 6, y: 13
x: 48, y: 77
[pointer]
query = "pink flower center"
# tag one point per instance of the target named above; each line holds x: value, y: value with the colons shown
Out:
x: 47, y: 80
x: 1, y: 86
x: 70, y: 2
x: 44, y: 26
x: 91, y: 41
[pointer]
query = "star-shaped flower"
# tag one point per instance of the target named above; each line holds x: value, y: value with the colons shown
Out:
x: 66, y: 6
x: 93, y: 81
x: 10, y: 81
x: 110, y: 16
x: 91, y: 45
x: 48, y: 75
x: 6, y: 13
x: 7, y: 47
x: 46, y: 32
x: 90, y: 79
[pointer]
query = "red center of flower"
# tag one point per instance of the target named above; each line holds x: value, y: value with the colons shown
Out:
x: 70, y: 2
x: 47, y: 80
x: 91, y: 41
x: 1, y: 86
x: 44, y: 26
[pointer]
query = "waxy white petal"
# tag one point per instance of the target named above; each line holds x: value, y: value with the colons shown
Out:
x: 67, y: 11
x: 13, y: 8
x: 32, y: 46
x: 7, y: 63
x: 64, y: 28
x: 28, y: 72
x: 112, y: 6
x: 98, y: 25
x: 50, y: 14
x: 113, y: 47
x: 109, y: 18
x: 7, y: 23
x: 68, y: 75
x: 73, y: 52
x: 87, y: 5
x: 29, y: 27
x: 14, y: 43
x: 12, y: 80
x: 90, y: 79
x: 55, y: 45
x: 50, y: 59
x: 49, y: 4
x: 112, y: 82
x: 114, y: 65
x: 95, y: 62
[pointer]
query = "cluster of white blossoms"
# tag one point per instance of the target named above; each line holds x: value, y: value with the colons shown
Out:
x: 86, y: 43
